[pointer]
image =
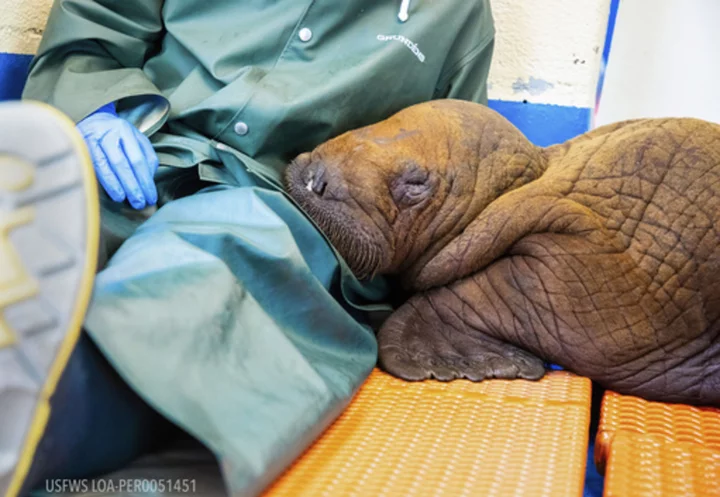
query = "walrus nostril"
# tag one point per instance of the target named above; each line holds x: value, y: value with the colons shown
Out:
x: 319, y: 186
x: 317, y: 181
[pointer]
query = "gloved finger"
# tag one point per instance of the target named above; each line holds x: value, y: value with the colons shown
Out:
x: 141, y: 168
x: 119, y: 163
x: 104, y: 173
x: 148, y: 151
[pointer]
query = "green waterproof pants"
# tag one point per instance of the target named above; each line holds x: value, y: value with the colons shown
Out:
x: 228, y: 312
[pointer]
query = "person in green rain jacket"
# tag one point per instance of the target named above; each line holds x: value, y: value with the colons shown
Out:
x: 218, y: 302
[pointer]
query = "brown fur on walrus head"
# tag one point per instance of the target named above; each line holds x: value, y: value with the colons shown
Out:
x: 391, y: 195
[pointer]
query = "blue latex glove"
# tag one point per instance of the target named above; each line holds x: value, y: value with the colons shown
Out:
x: 125, y: 161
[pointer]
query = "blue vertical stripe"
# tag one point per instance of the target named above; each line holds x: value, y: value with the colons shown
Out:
x: 612, y: 18
x: 614, y: 4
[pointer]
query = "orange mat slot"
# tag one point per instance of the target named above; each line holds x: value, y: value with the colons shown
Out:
x: 494, y: 438
x: 655, y: 449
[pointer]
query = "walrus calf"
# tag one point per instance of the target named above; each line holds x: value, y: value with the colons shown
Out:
x: 601, y: 254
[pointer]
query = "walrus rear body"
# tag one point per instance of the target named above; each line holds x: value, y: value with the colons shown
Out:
x: 601, y: 254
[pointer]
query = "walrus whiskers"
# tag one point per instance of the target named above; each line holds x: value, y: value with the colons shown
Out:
x: 366, y: 259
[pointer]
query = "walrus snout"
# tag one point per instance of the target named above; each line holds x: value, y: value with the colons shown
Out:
x: 310, y: 174
x: 312, y: 179
x: 316, y: 179
x: 340, y: 195
x: 297, y: 172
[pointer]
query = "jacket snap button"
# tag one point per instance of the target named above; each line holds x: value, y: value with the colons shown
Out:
x: 305, y: 34
x: 241, y: 128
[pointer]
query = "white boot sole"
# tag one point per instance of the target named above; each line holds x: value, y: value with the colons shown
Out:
x: 49, y: 235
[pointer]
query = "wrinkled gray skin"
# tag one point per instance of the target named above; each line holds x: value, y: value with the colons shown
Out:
x: 601, y: 254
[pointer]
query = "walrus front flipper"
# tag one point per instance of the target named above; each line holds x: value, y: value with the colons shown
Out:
x: 428, y: 338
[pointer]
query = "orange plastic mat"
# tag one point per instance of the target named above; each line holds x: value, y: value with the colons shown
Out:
x: 655, y: 449
x: 494, y: 438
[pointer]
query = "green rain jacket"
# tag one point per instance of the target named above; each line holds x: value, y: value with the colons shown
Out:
x: 223, y: 310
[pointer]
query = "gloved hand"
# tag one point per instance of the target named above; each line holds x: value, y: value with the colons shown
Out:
x: 125, y: 161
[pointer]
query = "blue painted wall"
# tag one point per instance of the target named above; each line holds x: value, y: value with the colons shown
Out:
x: 13, y: 71
x: 544, y: 124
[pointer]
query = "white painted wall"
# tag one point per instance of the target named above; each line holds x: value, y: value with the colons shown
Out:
x: 21, y: 24
x: 664, y: 61
x: 548, y: 51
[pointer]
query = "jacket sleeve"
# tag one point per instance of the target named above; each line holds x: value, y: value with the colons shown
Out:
x: 465, y: 75
x: 92, y: 53
x: 470, y: 80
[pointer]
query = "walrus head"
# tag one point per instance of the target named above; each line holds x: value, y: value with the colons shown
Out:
x: 389, y: 196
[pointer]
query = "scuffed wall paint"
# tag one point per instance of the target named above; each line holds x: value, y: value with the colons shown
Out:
x: 21, y: 24
x: 548, y: 51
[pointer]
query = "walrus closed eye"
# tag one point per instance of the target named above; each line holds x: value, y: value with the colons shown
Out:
x: 601, y: 254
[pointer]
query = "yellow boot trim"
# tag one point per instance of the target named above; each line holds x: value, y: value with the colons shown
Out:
x: 92, y: 236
